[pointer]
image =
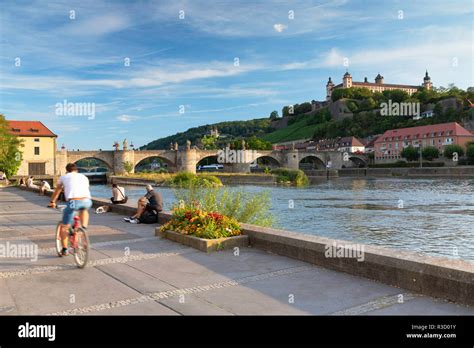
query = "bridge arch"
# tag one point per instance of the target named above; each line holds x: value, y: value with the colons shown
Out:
x: 355, y: 162
x: 265, y: 160
x: 311, y: 162
x: 169, y: 165
x: 75, y: 157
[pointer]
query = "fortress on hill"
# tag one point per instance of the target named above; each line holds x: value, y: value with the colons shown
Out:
x: 377, y: 86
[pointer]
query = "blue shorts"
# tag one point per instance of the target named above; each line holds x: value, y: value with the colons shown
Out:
x: 73, y: 206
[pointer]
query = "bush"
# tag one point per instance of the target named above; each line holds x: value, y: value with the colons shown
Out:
x: 451, y: 149
x: 202, y: 224
x: 128, y: 167
x: 292, y: 176
x: 242, y: 206
x: 470, y: 154
x: 187, y: 179
x: 430, y: 152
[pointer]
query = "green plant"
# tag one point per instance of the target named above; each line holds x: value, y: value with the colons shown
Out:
x: 267, y: 170
x: 243, y: 206
x: 470, y: 154
x: 290, y: 176
x: 200, y: 223
x: 410, y: 153
x: 128, y: 166
x: 10, y: 154
x: 451, y: 149
x: 430, y: 152
x: 188, y: 179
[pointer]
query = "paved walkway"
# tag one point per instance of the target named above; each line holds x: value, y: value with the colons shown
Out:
x: 134, y: 272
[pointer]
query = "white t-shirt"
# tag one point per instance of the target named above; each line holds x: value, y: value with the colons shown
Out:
x: 76, y: 185
x: 46, y: 185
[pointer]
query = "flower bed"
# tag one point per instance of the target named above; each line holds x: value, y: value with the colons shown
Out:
x: 201, y: 224
x: 203, y: 230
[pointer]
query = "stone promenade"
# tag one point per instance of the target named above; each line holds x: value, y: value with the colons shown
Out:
x: 133, y: 272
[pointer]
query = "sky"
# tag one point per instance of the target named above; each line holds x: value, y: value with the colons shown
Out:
x: 149, y: 69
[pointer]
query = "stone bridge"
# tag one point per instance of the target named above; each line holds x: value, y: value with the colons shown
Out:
x: 237, y: 161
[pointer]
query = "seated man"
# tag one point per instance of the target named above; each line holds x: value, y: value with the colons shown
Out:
x: 30, y: 182
x: 152, y: 203
x: 44, y: 187
x: 118, y: 193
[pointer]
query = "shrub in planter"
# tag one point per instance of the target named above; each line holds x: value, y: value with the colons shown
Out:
x: 202, y: 224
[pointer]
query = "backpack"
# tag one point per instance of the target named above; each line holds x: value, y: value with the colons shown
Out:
x: 149, y: 217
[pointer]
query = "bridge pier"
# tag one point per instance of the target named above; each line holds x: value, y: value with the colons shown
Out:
x: 123, y: 158
x: 292, y: 159
x: 187, y: 160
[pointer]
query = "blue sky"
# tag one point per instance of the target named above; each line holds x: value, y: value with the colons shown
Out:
x: 190, y: 63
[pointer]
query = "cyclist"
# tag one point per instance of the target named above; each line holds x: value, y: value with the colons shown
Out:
x: 78, y: 197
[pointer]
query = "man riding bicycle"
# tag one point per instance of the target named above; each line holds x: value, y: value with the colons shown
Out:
x: 78, y: 197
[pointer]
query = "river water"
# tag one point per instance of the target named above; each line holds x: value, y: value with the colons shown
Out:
x: 432, y: 216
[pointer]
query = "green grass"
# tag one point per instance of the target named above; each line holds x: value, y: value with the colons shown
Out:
x: 298, y: 130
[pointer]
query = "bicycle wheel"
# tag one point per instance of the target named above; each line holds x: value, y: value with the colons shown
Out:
x: 59, y: 246
x: 81, y: 248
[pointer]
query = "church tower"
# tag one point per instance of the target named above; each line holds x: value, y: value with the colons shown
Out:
x: 347, y: 80
x: 379, y: 79
x: 329, y: 87
x: 427, y: 81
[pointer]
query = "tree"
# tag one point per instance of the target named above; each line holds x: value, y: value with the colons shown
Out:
x: 209, y: 142
x: 274, y: 115
x: 430, y: 152
x: 10, y: 154
x: 410, y: 153
x: 451, y: 149
x: 470, y: 153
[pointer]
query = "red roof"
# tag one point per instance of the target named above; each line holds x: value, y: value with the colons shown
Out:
x: 29, y: 129
x: 453, y: 127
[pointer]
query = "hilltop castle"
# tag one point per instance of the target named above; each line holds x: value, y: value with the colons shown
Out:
x: 378, y: 86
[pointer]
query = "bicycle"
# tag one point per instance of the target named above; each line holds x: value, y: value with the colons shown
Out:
x: 78, y: 242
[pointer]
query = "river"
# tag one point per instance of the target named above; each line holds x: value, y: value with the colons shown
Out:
x: 432, y: 216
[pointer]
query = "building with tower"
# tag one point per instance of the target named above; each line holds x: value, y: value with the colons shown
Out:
x: 378, y: 86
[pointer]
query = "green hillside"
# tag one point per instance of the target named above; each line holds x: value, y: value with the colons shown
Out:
x: 298, y: 130
x: 229, y: 131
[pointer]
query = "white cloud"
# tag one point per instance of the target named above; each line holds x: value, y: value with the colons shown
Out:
x: 279, y: 27
x: 127, y: 118
x: 97, y: 25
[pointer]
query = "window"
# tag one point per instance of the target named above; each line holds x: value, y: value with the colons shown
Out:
x: 36, y: 168
x: 37, y: 150
x: 37, y: 140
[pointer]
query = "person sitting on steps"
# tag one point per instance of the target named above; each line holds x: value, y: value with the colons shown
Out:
x: 149, y: 205
x: 118, y: 193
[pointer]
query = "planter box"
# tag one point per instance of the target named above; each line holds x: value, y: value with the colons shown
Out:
x: 202, y: 244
